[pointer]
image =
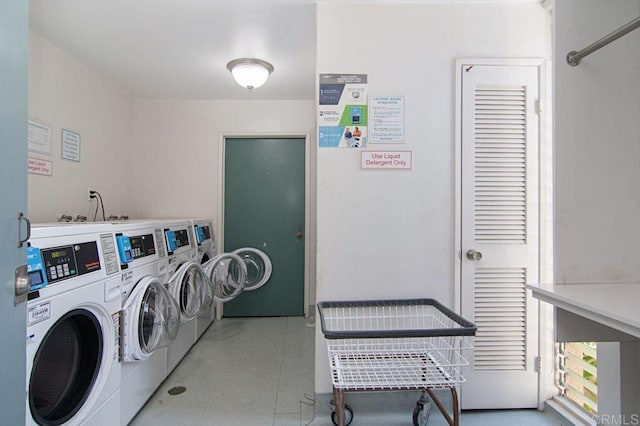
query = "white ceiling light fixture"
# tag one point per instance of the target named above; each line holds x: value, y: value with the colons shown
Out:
x: 250, y: 72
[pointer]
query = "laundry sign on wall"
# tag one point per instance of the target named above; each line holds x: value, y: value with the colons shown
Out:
x: 386, y: 119
x: 342, y: 111
x: 386, y: 160
x: 70, y: 145
x: 36, y: 166
x: 39, y: 137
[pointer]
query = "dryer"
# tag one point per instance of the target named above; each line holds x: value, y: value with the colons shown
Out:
x: 73, y: 321
x: 149, y: 313
x: 187, y: 283
x: 205, y: 250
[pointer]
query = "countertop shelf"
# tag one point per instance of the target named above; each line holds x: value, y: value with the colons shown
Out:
x: 613, y: 305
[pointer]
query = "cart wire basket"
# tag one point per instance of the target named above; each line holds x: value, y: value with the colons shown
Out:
x: 407, y: 344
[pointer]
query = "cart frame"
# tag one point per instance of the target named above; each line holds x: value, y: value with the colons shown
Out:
x: 405, y: 344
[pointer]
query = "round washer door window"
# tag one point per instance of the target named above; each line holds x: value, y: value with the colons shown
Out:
x: 158, y: 318
x: 187, y: 281
x: 258, y: 267
x: 227, y: 274
x: 65, y: 367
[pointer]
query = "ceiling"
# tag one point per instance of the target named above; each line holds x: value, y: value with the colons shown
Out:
x: 178, y: 49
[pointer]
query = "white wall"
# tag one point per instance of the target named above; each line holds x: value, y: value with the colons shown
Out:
x: 63, y: 93
x: 390, y: 234
x: 597, y: 145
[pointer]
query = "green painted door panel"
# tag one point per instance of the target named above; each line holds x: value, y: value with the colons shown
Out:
x: 264, y: 209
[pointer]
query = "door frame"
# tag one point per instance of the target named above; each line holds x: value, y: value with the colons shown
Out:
x: 546, y: 336
x: 309, y: 236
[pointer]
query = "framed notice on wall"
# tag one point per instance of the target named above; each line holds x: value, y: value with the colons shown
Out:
x: 39, y: 137
x: 70, y: 145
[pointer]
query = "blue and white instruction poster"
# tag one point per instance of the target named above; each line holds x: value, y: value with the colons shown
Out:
x: 342, y: 111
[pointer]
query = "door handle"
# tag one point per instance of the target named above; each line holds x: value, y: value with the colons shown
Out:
x: 474, y: 255
x: 22, y: 217
x: 22, y: 283
x: 299, y: 234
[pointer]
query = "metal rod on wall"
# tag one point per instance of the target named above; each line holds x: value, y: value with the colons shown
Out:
x: 574, y: 57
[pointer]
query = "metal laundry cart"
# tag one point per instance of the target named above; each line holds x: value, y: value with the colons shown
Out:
x: 380, y: 345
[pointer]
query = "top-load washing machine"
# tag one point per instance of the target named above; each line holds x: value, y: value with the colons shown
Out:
x: 73, y: 321
x: 187, y: 283
x: 205, y: 250
x: 150, y: 315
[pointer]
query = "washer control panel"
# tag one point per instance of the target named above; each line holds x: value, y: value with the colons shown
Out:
x: 35, y: 269
x: 176, y: 238
x: 65, y: 262
x: 135, y: 247
x: 203, y: 233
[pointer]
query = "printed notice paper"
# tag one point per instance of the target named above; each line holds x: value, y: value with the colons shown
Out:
x: 70, y: 145
x: 342, y: 111
x: 386, y: 119
x: 39, y: 137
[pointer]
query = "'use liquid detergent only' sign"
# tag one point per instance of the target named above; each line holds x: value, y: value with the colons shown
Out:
x: 386, y: 160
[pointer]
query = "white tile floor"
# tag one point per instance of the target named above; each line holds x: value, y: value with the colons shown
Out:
x: 253, y: 371
x: 259, y: 372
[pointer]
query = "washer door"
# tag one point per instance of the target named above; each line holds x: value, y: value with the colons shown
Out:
x: 187, y: 284
x: 151, y: 318
x: 205, y: 291
x: 227, y: 273
x: 65, y: 367
x: 258, y: 267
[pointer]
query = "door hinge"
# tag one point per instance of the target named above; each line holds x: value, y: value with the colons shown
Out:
x: 538, y: 364
x: 538, y: 107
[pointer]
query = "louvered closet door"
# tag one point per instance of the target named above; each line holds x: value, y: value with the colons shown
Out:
x: 500, y: 221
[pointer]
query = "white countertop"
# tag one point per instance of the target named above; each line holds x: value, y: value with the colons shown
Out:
x: 611, y: 304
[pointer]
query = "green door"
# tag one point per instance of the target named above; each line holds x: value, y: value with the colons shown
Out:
x: 264, y: 209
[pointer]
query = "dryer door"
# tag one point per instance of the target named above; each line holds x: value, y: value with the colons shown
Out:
x: 65, y: 367
x: 227, y: 273
x: 187, y: 284
x: 258, y: 267
x: 151, y: 318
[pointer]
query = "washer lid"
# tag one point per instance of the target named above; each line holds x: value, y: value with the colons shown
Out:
x: 151, y: 318
x: 186, y: 284
x: 227, y: 273
x: 258, y: 267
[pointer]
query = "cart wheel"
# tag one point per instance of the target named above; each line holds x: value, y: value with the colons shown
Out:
x: 348, y: 416
x: 420, y: 414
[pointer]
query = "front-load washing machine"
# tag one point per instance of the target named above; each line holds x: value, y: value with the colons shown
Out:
x: 205, y: 251
x: 73, y: 321
x: 187, y: 284
x: 149, y: 313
